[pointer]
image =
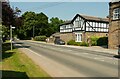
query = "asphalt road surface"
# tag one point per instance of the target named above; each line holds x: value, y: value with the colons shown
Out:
x: 88, y: 63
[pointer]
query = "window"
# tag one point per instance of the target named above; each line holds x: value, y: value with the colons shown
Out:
x: 78, y: 37
x: 76, y: 23
x: 116, y: 13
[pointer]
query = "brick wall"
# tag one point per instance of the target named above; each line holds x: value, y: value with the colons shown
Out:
x: 97, y: 34
x: 71, y: 36
x: 67, y: 37
x: 114, y: 27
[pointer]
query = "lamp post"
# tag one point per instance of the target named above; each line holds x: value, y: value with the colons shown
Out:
x: 11, y: 34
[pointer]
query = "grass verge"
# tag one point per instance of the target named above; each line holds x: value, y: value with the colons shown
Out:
x: 16, y: 64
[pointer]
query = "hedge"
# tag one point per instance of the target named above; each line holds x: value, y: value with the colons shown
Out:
x: 102, y: 41
x: 94, y: 40
x: 40, y: 38
x: 99, y: 41
x: 72, y: 42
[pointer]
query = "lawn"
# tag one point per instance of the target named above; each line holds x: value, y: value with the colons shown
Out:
x: 16, y: 64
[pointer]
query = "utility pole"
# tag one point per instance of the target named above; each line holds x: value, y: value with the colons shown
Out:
x: 11, y: 34
x: 33, y: 31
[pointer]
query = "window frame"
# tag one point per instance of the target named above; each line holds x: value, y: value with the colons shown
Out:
x: 116, y: 13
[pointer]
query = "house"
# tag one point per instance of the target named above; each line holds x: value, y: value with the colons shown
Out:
x: 82, y: 27
x: 114, y: 21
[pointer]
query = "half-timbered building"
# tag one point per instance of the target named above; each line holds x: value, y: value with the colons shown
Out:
x: 82, y: 27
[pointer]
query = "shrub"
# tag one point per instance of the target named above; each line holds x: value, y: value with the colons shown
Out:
x: 40, y: 38
x: 102, y: 41
x: 77, y: 43
x: 84, y: 44
x: 72, y: 42
x: 94, y: 40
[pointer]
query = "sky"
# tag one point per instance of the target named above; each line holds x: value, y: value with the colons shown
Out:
x: 64, y: 10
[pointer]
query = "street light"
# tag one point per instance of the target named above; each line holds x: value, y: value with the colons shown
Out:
x: 11, y: 34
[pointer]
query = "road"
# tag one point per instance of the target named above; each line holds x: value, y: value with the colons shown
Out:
x: 79, y: 62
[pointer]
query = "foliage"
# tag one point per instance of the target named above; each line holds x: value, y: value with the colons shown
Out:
x: 99, y: 41
x: 84, y: 44
x: 28, y: 22
x: 5, y: 30
x: 54, y: 23
x: 10, y: 17
x: 38, y: 21
x: 94, y: 40
x: 72, y: 42
x: 102, y: 41
x: 7, y: 14
x: 40, y: 38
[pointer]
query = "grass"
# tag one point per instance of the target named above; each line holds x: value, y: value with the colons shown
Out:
x: 17, y: 64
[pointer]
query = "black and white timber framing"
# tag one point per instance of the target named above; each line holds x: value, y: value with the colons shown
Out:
x: 85, y: 23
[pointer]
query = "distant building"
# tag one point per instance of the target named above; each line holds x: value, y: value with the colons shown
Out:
x: 82, y: 27
x: 114, y: 21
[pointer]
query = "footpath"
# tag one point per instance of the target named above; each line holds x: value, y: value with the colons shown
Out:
x: 92, y: 48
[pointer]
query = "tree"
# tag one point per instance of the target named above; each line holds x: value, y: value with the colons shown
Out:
x: 39, y: 23
x: 42, y: 24
x: 32, y: 21
x: 28, y: 23
x: 7, y: 14
x: 55, y: 22
x: 9, y: 17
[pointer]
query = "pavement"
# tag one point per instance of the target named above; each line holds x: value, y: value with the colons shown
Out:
x: 70, y: 61
x: 92, y: 48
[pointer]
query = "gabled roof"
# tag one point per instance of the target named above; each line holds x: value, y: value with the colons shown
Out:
x: 95, y: 18
x: 114, y: 2
x: 92, y: 18
x: 86, y: 17
x: 66, y: 22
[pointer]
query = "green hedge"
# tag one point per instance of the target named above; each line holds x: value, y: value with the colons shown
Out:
x: 102, y: 41
x: 94, y: 40
x: 40, y: 38
x: 72, y: 42
x: 84, y: 44
x: 99, y: 41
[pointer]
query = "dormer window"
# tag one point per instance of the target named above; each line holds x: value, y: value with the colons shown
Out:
x: 116, y: 13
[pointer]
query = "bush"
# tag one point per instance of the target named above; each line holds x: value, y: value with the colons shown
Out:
x: 84, y: 44
x: 40, y: 38
x: 94, y: 40
x: 102, y: 41
x: 72, y: 42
